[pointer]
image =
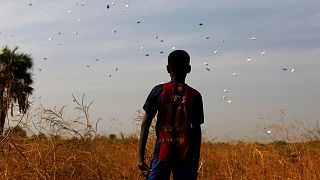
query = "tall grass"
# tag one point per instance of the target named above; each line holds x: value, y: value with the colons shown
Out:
x: 63, y: 151
x: 39, y: 157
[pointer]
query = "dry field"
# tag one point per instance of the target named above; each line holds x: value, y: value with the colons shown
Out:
x: 47, y: 153
x: 40, y: 157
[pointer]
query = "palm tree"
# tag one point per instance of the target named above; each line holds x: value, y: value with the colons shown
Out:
x: 15, y: 82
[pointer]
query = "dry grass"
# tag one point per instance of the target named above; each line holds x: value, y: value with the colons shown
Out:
x: 84, y: 154
x: 105, y: 158
x: 261, y: 161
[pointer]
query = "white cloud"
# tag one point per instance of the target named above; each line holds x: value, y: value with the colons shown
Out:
x: 19, y: 14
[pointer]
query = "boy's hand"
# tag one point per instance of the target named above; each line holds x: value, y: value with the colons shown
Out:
x: 143, y: 166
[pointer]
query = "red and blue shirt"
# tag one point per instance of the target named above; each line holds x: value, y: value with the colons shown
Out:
x: 179, y: 108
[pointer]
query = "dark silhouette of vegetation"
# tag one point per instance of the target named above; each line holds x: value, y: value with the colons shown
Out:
x: 15, y: 82
x: 112, y: 136
x: 16, y: 131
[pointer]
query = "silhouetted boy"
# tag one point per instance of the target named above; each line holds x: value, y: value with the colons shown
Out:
x: 178, y: 131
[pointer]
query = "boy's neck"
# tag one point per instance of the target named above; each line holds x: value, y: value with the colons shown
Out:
x: 175, y: 80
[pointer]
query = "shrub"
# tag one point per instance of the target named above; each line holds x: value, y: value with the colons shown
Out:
x: 16, y: 131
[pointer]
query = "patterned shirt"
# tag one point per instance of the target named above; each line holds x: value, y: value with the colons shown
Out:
x: 179, y: 108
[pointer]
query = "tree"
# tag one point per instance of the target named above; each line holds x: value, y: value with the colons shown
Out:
x: 15, y: 82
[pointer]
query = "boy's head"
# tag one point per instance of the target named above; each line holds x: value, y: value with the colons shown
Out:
x: 179, y: 64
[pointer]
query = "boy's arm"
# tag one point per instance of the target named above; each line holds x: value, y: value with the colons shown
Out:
x: 196, y: 145
x: 146, y: 122
x: 196, y: 134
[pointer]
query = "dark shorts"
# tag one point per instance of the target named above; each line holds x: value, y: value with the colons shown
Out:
x: 161, y: 170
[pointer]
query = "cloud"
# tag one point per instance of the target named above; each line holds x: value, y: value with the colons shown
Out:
x: 19, y: 14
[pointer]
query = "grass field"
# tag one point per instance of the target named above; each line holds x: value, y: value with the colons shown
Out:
x: 40, y: 157
x: 55, y: 149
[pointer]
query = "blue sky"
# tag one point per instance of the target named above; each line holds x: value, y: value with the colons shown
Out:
x: 288, y: 31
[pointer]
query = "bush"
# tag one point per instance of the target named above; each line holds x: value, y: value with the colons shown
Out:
x: 112, y: 136
x: 16, y: 131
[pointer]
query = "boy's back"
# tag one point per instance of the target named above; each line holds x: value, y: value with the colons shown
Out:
x: 179, y: 112
x: 179, y: 109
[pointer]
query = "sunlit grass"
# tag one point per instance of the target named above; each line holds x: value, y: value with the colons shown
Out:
x: 109, y: 158
x: 65, y: 152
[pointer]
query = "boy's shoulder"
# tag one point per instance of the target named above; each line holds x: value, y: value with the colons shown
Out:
x: 194, y: 90
x: 159, y: 87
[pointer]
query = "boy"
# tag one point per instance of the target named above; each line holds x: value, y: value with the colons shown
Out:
x: 178, y: 131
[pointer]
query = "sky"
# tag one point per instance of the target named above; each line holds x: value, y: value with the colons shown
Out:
x: 264, y: 54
